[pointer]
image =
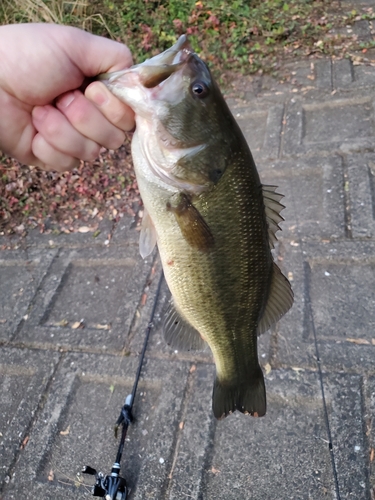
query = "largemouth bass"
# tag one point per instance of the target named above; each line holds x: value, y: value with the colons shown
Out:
x: 213, y: 221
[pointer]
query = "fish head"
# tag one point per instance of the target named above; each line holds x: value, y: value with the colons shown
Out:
x: 180, y: 109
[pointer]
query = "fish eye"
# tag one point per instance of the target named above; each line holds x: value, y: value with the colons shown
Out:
x: 199, y: 89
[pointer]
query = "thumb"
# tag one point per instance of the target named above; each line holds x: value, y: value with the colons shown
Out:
x: 94, y: 54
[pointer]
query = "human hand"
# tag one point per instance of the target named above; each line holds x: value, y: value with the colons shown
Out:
x: 45, y: 119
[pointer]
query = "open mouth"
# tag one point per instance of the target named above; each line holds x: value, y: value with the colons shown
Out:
x: 159, y: 68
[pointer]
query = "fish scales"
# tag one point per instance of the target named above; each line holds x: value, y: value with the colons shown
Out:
x: 212, y: 219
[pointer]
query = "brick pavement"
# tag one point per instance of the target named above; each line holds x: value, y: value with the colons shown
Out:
x: 62, y: 387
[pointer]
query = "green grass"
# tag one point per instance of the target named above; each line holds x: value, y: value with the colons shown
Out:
x: 239, y: 35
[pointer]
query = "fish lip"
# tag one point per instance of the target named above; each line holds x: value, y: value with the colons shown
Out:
x: 174, y: 58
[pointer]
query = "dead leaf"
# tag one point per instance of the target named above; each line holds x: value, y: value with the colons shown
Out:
x: 51, y: 475
x: 102, y: 327
x: 63, y: 322
x: 192, y: 369
x: 181, y: 425
x: 359, y: 341
x: 214, y: 471
x: 78, y: 324
x: 66, y: 432
x: 24, y: 442
x: 2, y: 321
x: 84, y: 229
x: 267, y: 368
x: 372, y: 455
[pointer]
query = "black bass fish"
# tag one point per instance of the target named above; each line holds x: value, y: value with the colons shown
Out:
x: 212, y: 219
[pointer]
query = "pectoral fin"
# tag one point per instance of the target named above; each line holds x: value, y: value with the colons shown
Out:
x: 178, y: 333
x: 193, y: 226
x: 147, y: 238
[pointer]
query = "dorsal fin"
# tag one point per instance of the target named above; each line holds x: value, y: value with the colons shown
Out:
x: 273, y: 208
x: 280, y: 300
x: 178, y: 333
x: 147, y: 238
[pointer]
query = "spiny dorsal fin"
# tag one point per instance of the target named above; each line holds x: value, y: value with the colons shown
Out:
x: 147, y: 238
x: 273, y: 208
x: 280, y: 300
x: 179, y: 334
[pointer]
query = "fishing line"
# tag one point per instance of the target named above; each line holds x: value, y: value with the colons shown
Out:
x: 307, y: 269
x: 113, y: 486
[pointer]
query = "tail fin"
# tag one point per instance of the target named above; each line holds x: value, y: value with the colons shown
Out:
x: 247, y: 396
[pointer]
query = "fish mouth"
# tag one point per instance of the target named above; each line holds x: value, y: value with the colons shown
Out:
x: 157, y: 69
x: 162, y: 66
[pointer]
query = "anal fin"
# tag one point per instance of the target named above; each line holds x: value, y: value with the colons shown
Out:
x: 280, y: 300
x: 179, y: 334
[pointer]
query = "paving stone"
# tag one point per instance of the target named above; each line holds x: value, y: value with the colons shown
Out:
x: 21, y: 274
x: 244, y: 450
x: 314, y: 195
x: 102, y: 289
x: 338, y: 292
x: 343, y: 73
x: 187, y: 474
x: 75, y: 428
x: 361, y: 187
x: 341, y: 124
x: 364, y: 75
x: 345, y: 404
x: 344, y: 339
x: 53, y: 238
x: 369, y: 429
x: 24, y: 376
x: 261, y: 126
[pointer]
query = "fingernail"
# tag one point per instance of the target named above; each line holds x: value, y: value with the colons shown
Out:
x: 39, y: 113
x: 65, y: 100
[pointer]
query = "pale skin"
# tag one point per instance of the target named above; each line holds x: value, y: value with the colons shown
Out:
x: 46, y: 119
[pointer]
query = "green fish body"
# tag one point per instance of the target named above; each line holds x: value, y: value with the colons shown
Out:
x: 213, y: 221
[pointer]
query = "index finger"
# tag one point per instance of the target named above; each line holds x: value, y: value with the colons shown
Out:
x: 116, y: 112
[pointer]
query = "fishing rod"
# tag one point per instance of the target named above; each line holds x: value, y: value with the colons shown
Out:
x: 112, y: 486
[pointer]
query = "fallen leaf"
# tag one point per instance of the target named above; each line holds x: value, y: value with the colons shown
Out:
x: 214, y: 471
x: 112, y: 388
x: 84, y: 229
x: 193, y: 368
x: 181, y: 425
x: 24, y: 442
x: 372, y: 454
x: 359, y: 341
x: 2, y: 321
x: 63, y: 322
x: 51, y: 475
x: 66, y: 432
x: 102, y: 327
x: 267, y: 368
